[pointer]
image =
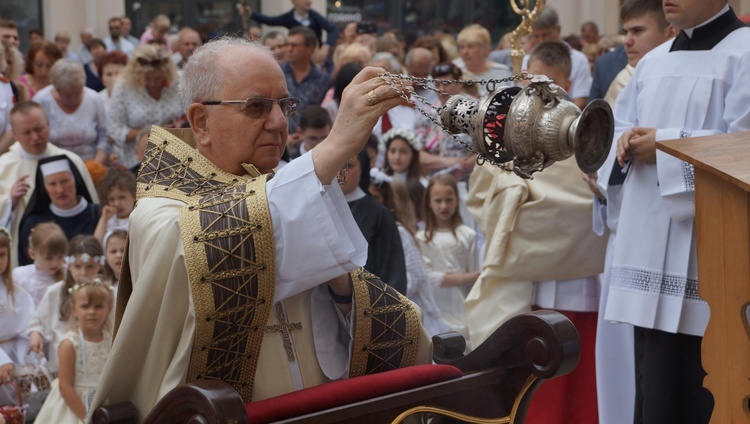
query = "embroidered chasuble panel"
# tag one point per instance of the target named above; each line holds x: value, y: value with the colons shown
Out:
x: 387, y: 327
x: 229, y: 251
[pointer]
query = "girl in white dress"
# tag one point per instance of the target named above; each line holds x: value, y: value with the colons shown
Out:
x: 52, y: 318
x: 422, y: 282
x: 449, y: 246
x: 83, y: 352
x: 16, y: 307
x: 402, y: 149
x: 48, y: 246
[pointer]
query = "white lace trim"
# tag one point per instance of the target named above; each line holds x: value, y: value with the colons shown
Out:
x: 655, y: 283
x: 688, y: 177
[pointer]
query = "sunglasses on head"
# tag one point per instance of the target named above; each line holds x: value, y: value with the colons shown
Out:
x: 153, y: 62
x: 446, y: 69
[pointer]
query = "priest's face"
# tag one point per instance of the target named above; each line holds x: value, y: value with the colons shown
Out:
x: 235, y: 135
x: 684, y: 14
x: 31, y: 130
x: 61, y: 188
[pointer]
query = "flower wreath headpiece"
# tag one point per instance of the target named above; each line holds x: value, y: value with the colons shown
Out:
x: 404, y: 134
x: 95, y: 282
x: 378, y: 177
x: 85, y: 257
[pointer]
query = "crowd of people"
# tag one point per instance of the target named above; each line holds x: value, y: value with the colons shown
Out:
x: 470, y: 244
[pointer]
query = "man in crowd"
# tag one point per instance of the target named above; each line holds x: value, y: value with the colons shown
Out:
x: 547, y: 28
x: 187, y: 43
x: 30, y: 128
x: 127, y: 26
x: 303, y: 14
x: 62, y: 41
x: 693, y: 86
x: 115, y: 40
x: 9, y: 33
x: 276, y: 41
x: 304, y: 79
x: 83, y: 53
x: 223, y: 256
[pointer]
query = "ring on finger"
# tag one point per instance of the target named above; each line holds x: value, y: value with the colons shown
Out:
x: 373, y: 98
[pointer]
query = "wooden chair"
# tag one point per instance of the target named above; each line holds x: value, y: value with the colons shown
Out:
x: 492, y: 384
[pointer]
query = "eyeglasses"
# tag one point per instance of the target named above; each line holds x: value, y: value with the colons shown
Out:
x: 260, y: 107
x: 446, y: 69
x: 153, y: 62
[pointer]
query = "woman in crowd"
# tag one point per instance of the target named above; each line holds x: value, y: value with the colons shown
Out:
x: 474, y: 49
x: 432, y: 44
x: 60, y: 196
x: 13, y: 72
x: 39, y: 60
x: 98, y: 49
x: 157, y: 31
x: 145, y: 94
x: 109, y: 68
x: 76, y: 113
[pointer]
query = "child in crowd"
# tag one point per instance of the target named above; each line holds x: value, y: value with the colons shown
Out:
x: 449, y: 246
x: 114, y: 251
x: 47, y: 247
x: 83, y: 351
x: 52, y: 318
x: 16, y: 308
x: 402, y: 162
x: 421, y: 281
x: 117, y: 190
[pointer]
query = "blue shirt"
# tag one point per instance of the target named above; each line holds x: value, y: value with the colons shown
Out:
x: 310, y: 90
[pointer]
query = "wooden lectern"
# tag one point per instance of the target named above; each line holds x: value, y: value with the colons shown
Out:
x: 722, y: 223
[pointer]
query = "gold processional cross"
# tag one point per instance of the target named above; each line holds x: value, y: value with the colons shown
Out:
x: 285, y: 328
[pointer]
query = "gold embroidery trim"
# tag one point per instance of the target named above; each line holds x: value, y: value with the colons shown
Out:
x: 374, y: 300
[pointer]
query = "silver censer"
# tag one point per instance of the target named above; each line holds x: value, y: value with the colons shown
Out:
x: 532, y: 127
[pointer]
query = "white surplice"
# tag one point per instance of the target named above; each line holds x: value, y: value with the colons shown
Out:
x: 15, y: 314
x: 34, y: 280
x: 316, y: 239
x: 15, y: 164
x: 615, y: 357
x: 682, y: 94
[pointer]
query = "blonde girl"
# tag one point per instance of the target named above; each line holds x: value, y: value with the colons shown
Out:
x: 48, y: 246
x: 449, y: 246
x: 16, y: 307
x: 83, y: 351
x: 52, y: 318
x: 422, y: 282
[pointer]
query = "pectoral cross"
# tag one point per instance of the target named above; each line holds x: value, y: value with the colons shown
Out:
x: 285, y: 328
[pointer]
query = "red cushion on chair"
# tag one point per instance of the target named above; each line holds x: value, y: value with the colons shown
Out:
x: 343, y: 392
